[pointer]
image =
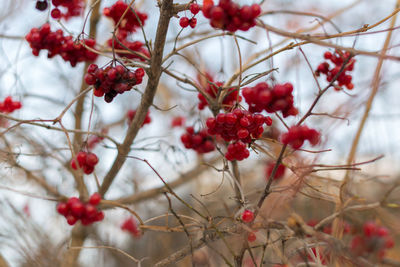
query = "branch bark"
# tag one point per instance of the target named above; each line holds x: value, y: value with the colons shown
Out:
x: 154, y: 74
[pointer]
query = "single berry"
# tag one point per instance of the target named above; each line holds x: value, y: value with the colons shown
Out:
x: 247, y: 216
x: 192, y: 22
x: 55, y: 13
x: 41, y: 5
x: 62, y: 208
x: 95, y: 199
x: 251, y: 237
x: 194, y: 8
x: 184, y: 22
x: 369, y: 229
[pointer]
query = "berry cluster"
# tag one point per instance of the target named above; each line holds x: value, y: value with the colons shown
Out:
x: 177, y: 121
x: 374, y: 240
x: 211, y: 88
x: 86, y: 161
x: 247, y: 216
x: 75, y: 210
x: 338, y: 59
x: 237, y: 151
x: 8, y: 105
x: 297, y: 134
x: 73, y: 8
x: 238, y: 125
x: 185, y: 21
x: 41, y: 5
x: 271, y: 99
x: 130, y: 225
x: 58, y: 44
x: 112, y: 81
x: 131, y: 21
x: 229, y: 16
x: 122, y: 44
x: 199, y: 141
x: 280, y: 171
x: 130, y: 114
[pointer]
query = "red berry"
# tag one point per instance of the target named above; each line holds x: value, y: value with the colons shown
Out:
x: 62, y: 208
x: 81, y: 157
x: 71, y: 220
x: 99, y: 216
x: 178, y: 121
x: 88, y: 169
x: 194, y: 8
x: 90, y: 211
x: 327, y: 55
x: 247, y: 216
x: 90, y: 79
x: 184, y: 22
x: 72, y: 200
x: 77, y: 209
x: 92, y: 68
x: 251, y: 237
x: 95, y: 199
x: 256, y: 10
x: 369, y: 229
x: 55, y: 13
x: 192, y: 22
x: 91, y: 159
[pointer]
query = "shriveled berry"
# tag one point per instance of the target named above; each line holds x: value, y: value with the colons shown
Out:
x: 41, y: 5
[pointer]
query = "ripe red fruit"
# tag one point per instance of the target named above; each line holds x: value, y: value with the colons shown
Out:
x: 88, y: 169
x: 193, y: 22
x: 86, y: 161
x: 62, y: 208
x: 247, y: 216
x: 81, y: 157
x: 130, y: 226
x: 72, y: 200
x: 95, y: 199
x: 251, y: 237
x: 279, y: 172
x: 327, y: 55
x: 369, y: 229
x: 71, y: 220
x: 91, y: 159
x: 184, y: 22
x: 55, y: 13
x: 90, y: 211
x: 194, y: 8
x: 133, y: 20
x: 77, y: 209
x: 200, y: 141
x: 178, y: 121
x: 99, y: 216
x: 90, y: 79
x: 296, y: 136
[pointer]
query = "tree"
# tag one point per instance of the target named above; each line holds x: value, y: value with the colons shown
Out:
x: 187, y: 138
